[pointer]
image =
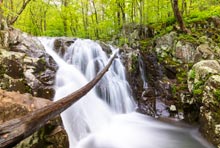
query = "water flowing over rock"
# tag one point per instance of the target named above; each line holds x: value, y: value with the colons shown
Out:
x: 101, y: 119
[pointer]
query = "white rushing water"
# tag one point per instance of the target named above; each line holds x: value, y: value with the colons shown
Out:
x: 106, y: 117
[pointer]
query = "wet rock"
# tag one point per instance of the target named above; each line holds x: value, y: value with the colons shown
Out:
x: 105, y: 47
x: 61, y: 45
x: 173, y: 110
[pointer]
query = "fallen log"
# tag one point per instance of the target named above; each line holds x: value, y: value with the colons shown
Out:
x: 13, y: 131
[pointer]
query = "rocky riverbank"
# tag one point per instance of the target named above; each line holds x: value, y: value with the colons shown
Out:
x: 181, y: 71
x: 27, y: 72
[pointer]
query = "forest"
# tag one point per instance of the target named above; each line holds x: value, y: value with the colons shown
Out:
x: 100, y: 19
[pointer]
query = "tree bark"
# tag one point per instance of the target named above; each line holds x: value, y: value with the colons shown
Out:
x: 13, y: 131
x: 178, y: 16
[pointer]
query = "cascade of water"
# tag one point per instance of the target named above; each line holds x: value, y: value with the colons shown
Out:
x: 94, y: 123
x: 89, y: 58
x: 143, y: 72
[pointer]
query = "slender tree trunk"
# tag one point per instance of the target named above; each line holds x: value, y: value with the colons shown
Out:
x: 14, y: 19
x: 83, y: 17
x: 132, y: 11
x: 96, y: 19
x: 119, y: 18
x: 65, y: 27
x: 141, y: 11
x: 123, y: 11
x: 178, y: 16
x: 1, y: 14
x: 13, y: 131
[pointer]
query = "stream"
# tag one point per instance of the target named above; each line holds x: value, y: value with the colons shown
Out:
x: 106, y: 116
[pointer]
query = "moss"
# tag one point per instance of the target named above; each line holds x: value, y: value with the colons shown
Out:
x: 197, y: 92
x: 217, y: 95
x: 145, y: 43
x: 122, y: 41
x: 188, y: 38
x: 2, y: 71
x: 134, y: 66
x: 173, y: 89
x: 216, y: 115
x: 198, y: 84
x: 192, y: 74
x: 181, y: 75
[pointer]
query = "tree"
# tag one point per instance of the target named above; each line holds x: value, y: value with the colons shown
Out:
x: 96, y: 18
x: 65, y: 4
x: 1, y: 13
x: 178, y: 16
x: 14, y: 19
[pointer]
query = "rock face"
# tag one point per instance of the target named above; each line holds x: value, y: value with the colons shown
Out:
x: 14, y: 105
x: 204, y: 83
x: 26, y: 67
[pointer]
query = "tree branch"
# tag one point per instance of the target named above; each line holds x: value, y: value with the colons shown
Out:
x: 14, y: 19
x: 13, y: 131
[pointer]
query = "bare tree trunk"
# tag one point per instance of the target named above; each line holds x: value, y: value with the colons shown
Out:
x: 141, y: 11
x: 13, y: 131
x: 13, y: 20
x: 178, y: 16
x: 64, y: 17
x: 96, y: 19
x: 1, y: 13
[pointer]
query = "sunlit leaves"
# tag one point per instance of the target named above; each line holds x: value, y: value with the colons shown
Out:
x: 100, y: 18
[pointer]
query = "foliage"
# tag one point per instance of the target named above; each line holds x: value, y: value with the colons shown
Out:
x: 102, y: 19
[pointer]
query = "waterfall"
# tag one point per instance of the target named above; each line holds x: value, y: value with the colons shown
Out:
x: 143, y: 72
x: 106, y: 117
